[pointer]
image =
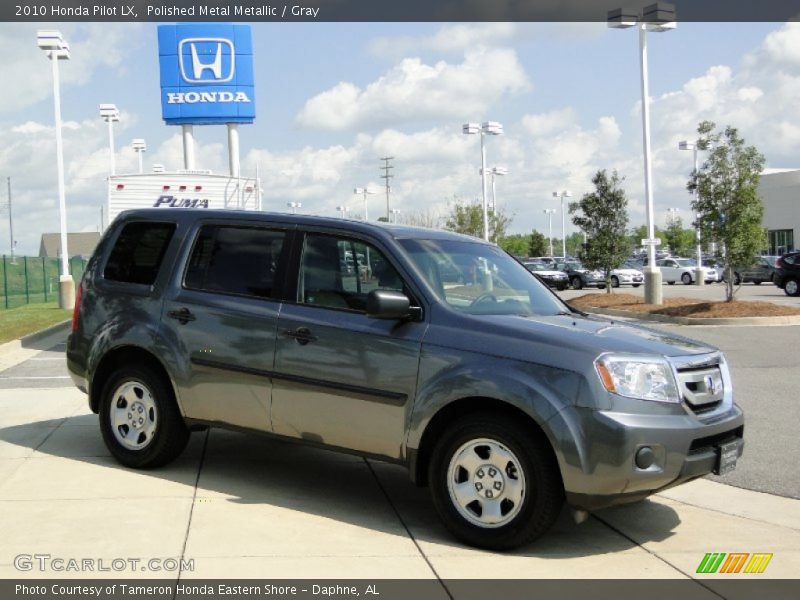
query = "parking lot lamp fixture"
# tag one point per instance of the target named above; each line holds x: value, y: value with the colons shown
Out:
x: 549, y: 212
x: 139, y: 146
x: 562, y: 195
x: 110, y: 114
x: 656, y: 18
x: 56, y: 49
x: 484, y: 129
x: 364, y: 191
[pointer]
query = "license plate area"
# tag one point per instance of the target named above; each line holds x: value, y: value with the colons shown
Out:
x: 727, y: 455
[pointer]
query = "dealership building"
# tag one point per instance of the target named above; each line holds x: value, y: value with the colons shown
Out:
x: 780, y: 191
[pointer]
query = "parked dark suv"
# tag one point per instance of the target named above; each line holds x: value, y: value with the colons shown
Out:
x: 440, y: 352
x: 787, y: 273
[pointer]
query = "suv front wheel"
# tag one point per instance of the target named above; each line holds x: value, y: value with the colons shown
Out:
x: 494, y: 484
x: 139, y: 418
x: 791, y: 287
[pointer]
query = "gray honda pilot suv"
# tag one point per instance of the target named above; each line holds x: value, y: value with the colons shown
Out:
x: 424, y: 348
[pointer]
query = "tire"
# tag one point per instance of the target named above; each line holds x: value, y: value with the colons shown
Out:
x: 671, y: 283
x: 162, y: 433
x: 614, y: 281
x: 791, y: 287
x: 737, y: 280
x: 686, y: 279
x: 577, y: 283
x: 524, y: 512
x: 757, y: 282
x: 561, y: 287
x: 636, y: 284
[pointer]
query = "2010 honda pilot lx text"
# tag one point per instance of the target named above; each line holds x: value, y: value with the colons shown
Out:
x: 414, y: 346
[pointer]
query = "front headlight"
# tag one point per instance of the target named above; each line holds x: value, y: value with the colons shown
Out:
x: 644, y: 378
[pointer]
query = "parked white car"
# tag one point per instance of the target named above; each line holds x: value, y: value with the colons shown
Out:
x: 683, y: 270
x: 626, y: 276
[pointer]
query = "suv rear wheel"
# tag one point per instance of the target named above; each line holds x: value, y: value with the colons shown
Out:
x: 139, y: 418
x: 494, y: 484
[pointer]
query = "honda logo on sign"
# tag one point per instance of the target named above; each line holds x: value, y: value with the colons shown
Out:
x: 207, y: 56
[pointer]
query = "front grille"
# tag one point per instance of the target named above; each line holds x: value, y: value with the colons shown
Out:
x: 701, y: 388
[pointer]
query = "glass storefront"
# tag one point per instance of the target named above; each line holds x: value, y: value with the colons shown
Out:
x: 781, y: 241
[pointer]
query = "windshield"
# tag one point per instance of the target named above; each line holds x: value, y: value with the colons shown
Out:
x: 537, y: 267
x: 481, y: 280
x: 685, y: 262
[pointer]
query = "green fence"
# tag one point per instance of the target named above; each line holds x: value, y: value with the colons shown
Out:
x: 30, y: 279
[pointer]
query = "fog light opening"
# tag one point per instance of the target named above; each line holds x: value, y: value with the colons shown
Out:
x: 645, y: 457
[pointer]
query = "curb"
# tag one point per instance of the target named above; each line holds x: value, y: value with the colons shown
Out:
x: 31, y: 338
x: 763, y: 321
x: 43, y: 333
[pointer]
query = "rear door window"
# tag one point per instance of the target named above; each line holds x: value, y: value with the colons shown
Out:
x: 138, y: 252
x: 236, y: 260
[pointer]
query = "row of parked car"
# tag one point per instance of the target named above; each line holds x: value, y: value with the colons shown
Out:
x: 561, y: 273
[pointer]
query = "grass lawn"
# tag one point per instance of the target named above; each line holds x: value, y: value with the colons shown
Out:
x: 16, y: 322
x: 684, y: 307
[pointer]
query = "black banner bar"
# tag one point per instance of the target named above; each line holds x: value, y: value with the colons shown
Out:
x: 711, y: 588
x: 385, y: 10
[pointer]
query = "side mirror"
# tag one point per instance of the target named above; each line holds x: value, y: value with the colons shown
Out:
x: 388, y: 304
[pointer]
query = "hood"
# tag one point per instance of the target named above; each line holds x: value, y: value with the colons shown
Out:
x: 594, y: 335
x: 550, y: 273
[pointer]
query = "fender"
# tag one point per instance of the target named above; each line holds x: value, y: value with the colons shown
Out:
x: 544, y: 393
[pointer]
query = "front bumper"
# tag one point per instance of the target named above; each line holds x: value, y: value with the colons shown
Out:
x: 684, y: 446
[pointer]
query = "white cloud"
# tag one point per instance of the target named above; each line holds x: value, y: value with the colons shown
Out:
x: 414, y: 91
x: 549, y: 122
x: 92, y: 45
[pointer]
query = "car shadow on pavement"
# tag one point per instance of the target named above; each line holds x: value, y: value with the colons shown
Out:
x: 287, y: 479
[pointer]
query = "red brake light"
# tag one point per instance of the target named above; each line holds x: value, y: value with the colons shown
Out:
x: 779, y: 262
x: 76, y: 311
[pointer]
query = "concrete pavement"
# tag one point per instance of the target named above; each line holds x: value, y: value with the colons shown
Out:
x: 246, y: 506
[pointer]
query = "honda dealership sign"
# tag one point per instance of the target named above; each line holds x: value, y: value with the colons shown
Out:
x: 206, y: 74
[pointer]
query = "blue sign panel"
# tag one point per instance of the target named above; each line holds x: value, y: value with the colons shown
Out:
x: 206, y: 74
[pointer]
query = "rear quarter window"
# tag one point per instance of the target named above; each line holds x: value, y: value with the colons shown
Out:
x: 137, y: 254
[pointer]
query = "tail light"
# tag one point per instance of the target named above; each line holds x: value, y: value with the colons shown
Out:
x: 779, y: 262
x: 76, y: 312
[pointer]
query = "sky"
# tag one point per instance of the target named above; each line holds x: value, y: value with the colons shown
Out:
x: 332, y: 98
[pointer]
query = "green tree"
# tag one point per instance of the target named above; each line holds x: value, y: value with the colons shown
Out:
x: 516, y: 244
x: 538, y: 244
x: 679, y: 240
x: 727, y: 203
x: 467, y: 218
x: 603, y: 216
x: 574, y: 244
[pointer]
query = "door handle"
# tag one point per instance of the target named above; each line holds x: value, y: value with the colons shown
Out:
x: 183, y: 315
x: 302, y: 335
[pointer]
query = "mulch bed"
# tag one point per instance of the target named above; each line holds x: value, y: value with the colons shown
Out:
x: 684, y: 307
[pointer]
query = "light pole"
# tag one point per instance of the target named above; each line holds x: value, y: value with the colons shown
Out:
x: 110, y: 115
x: 549, y: 212
x: 57, y: 49
x: 139, y: 147
x: 672, y: 216
x: 342, y: 209
x: 294, y: 206
x: 699, y: 277
x: 364, y: 191
x: 562, y: 195
x: 395, y: 212
x: 487, y: 128
x: 495, y: 172
x: 657, y: 18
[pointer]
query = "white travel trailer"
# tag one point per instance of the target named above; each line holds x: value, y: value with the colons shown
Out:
x: 181, y: 189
